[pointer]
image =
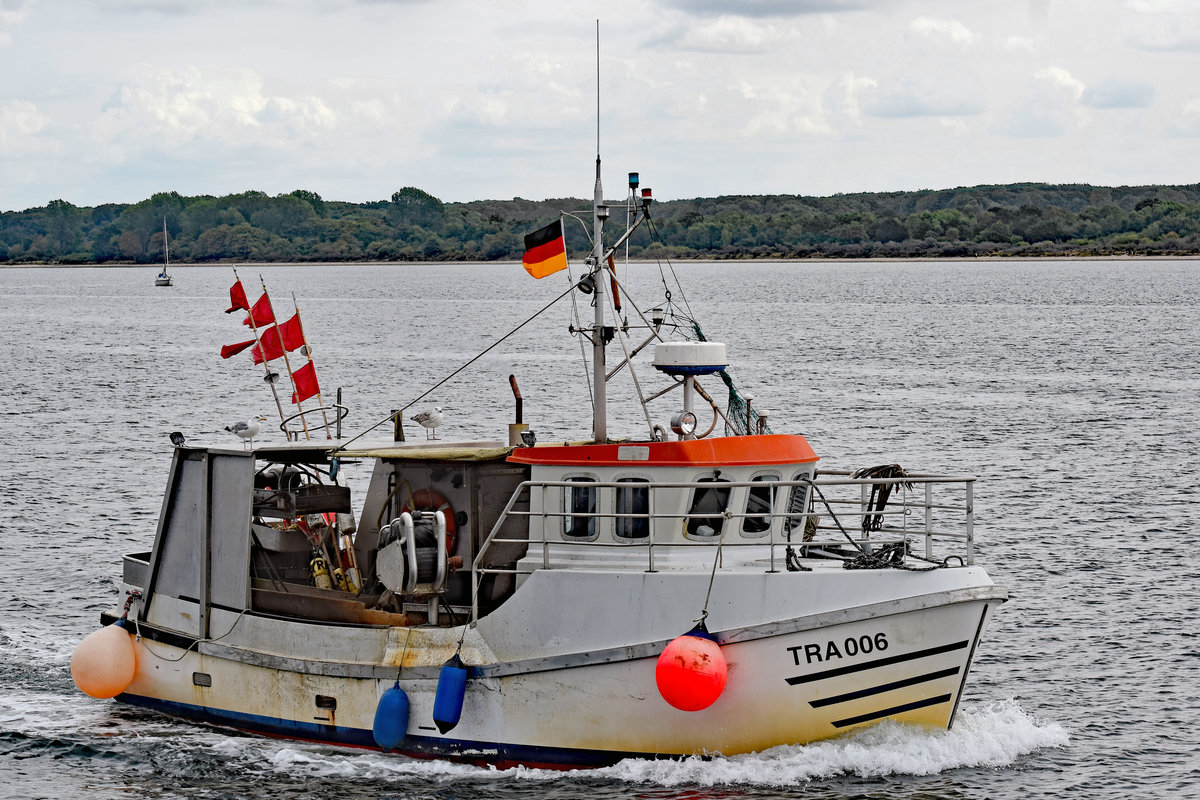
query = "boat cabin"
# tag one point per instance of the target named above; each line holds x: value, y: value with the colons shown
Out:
x: 447, y: 530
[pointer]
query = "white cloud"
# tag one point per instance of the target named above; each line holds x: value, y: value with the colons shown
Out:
x: 1158, y: 6
x: 1033, y: 119
x: 1061, y: 79
x: 946, y: 28
x: 1162, y: 25
x: 19, y: 122
x: 726, y: 35
x: 1018, y: 43
x: 844, y: 97
x: 1185, y: 124
x: 771, y: 8
x: 1119, y: 94
x: 781, y: 112
x: 355, y: 98
x: 13, y: 13
x: 929, y: 92
x: 172, y: 107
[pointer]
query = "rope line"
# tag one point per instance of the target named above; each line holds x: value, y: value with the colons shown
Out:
x: 440, y: 383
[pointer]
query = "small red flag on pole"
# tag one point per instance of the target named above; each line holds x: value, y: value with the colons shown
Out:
x: 305, y: 381
x: 237, y: 298
x: 233, y: 349
x: 291, y: 333
x: 261, y: 314
x: 268, y: 346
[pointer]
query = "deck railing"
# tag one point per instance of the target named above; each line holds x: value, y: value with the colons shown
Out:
x: 927, y: 519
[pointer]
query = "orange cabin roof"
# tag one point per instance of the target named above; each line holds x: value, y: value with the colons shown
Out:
x: 724, y: 451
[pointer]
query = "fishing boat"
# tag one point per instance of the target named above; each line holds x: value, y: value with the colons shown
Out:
x: 164, y: 277
x: 675, y: 591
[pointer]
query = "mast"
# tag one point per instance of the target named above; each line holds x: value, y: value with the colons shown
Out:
x: 599, y: 213
x: 599, y: 371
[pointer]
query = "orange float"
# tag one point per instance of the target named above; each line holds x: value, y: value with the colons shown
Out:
x: 105, y: 662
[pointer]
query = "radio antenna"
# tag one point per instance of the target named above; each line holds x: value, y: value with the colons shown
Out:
x: 597, y: 88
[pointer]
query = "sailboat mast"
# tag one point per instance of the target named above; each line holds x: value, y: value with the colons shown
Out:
x: 599, y: 370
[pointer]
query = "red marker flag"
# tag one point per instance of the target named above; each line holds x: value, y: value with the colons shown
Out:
x: 545, y: 251
x: 271, y: 346
x: 262, y: 313
x: 292, y: 333
x: 237, y: 298
x: 305, y: 380
x: 233, y: 349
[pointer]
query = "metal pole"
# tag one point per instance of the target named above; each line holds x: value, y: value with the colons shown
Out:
x: 265, y: 362
x: 599, y: 381
x: 970, y: 523
x: 286, y: 363
x: 308, y: 355
x: 928, y: 520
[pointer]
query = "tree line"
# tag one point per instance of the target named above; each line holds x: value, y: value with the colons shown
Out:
x: 1007, y: 220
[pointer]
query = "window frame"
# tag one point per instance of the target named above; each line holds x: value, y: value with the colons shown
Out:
x: 646, y: 484
x: 689, y: 521
x: 765, y: 477
x: 791, y: 524
x: 570, y: 512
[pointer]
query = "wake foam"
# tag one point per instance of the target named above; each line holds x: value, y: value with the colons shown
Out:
x: 990, y: 736
x: 994, y: 736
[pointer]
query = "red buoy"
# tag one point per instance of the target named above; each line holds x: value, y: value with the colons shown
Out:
x: 691, y: 671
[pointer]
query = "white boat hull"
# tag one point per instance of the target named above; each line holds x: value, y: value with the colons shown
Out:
x: 792, y: 680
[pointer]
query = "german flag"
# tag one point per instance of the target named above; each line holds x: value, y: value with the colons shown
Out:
x: 545, y: 251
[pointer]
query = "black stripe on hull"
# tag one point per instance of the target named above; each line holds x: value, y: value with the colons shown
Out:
x: 887, y: 712
x: 886, y: 687
x: 879, y: 662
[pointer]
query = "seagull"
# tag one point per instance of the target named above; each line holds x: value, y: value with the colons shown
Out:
x: 247, y: 430
x: 429, y: 420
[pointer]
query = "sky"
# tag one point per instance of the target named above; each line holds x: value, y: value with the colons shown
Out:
x: 114, y: 100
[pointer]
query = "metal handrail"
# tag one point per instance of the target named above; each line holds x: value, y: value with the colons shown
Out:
x: 901, y: 506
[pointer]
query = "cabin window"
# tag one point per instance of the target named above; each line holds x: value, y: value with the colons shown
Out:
x: 711, y: 499
x: 760, y: 502
x: 797, y: 505
x: 633, y: 497
x: 579, y: 505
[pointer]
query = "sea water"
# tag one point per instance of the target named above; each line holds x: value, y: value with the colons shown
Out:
x: 1069, y: 388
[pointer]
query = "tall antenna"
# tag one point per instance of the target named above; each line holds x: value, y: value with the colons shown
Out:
x: 597, y: 88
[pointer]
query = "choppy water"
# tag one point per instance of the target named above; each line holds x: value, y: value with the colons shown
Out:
x: 1070, y: 388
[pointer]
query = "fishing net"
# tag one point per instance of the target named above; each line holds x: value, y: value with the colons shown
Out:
x: 740, y: 419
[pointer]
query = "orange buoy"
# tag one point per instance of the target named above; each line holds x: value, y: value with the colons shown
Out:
x: 691, y: 671
x: 104, y: 663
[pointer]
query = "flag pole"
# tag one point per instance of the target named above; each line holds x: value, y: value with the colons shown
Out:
x: 308, y: 354
x: 266, y: 364
x: 286, y: 362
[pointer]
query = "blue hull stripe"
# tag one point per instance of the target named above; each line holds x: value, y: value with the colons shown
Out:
x: 466, y: 751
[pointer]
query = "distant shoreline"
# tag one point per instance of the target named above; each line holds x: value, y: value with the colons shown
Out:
x: 183, y: 267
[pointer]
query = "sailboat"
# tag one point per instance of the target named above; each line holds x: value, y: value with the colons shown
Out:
x: 671, y: 592
x: 164, y: 278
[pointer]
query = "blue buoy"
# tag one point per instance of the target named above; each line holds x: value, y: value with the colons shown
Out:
x: 391, y: 718
x: 451, y: 689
